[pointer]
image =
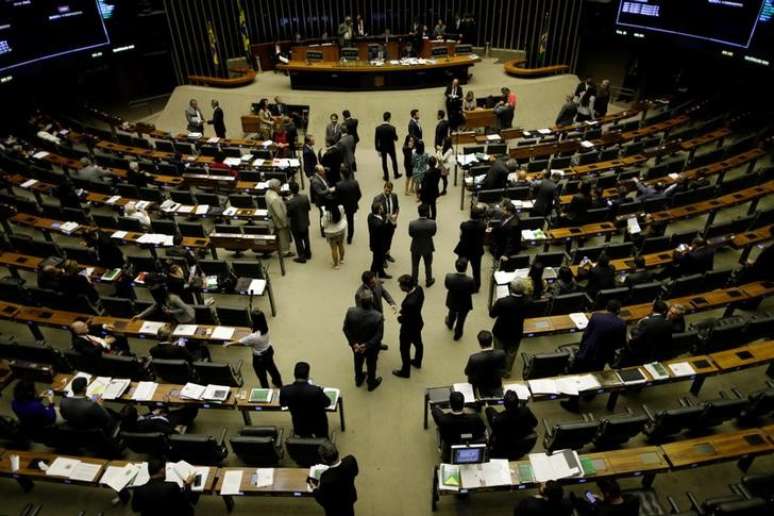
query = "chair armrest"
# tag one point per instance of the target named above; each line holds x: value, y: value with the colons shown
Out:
x: 770, y: 383
x: 280, y: 438
x: 686, y: 402
x: 674, y: 508
x: 222, y: 437
x: 647, y: 412
x: 546, y: 427
x: 695, y: 505
x: 737, y: 393
x: 332, y: 437
x: 238, y: 367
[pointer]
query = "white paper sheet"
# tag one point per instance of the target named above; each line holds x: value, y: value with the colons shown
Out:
x: 143, y: 476
x: 543, y: 386
x: 544, y: 131
x: 202, y: 209
x: 257, y: 287
x: 216, y: 392
x: 98, y: 386
x: 467, y: 391
x: 144, y: 391
x: 85, y: 472
x: 117, y: 478
x: 580, y: 320
x: 232, y: 481
x: 222, y: 333
x: 151, y: 327
x: 551, y: 467
x: 62, y: 467
x: 184, y: 330
x: 192, y: 391
x: 116, y: 388
x: 521, y: 390
x: 28, y: 183
x: 264, y: 477
x: 496, y: 472
x: 682, y: 369
x: 114, y: 199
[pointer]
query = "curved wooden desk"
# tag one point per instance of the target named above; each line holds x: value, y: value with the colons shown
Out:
x: 247, y: 77
x: 361, y: 75
x: 516, y: 68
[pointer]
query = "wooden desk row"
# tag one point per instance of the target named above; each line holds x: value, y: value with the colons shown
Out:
x: 645, y: 462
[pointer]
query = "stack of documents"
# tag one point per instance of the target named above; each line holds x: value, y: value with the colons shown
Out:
x: 488, y: 474
x: 493, y: 137
x: 68, y: 227
x: 467, y: 391
x: 184, y: 330
x: 119, y: 234
x: 632, y: 226
x: 587, y: 144
x: 230, y: 211
x: 264, y: 477
x: 631, y: 376
x: 232, y: 482
x: 257, y: 287
x: 157, y: 239
x: 144, y: 391
x: 543, y: 386
x: 73, y: 469
x: 466, y: 159
x: 232, y: 162
x: 192, y: 391
x: 449, y: 477
x: 110, y: 275
x: 216, y: 392
x: 657, y: 370
x: 28, y: 183
x: 562, y: 464
x: 544, y: 131
x: 151, y: 327
x: 119, y: 477
x: 580, y: 320
x: 222, y: 333
x: 40, y: 154
x: 114, y: 199
x: 98, y: 386
x: 116, y: 388
x: 169, y: 206
x: 529, y: 234
x: 202, y: 209
x: 682, y: 369
x: 259, y: 395
x: 178, y: 472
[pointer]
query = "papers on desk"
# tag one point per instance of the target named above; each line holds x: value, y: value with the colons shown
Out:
x: 117, y: 478
x: 674, y: 176
x: 119, y: 234
x: 62, y: 467
x: 256, y: 287
x: 184, y: 330
x: 657, y: 370
x: 40, y: 154
x: 156, y: 239
x: 216, y: 392
x: 293, y: 162
x: 632, y: 226
x: 85, y: 472
x: 258, y: 162
x: 317, y: 470
x: 222, y: 333
x: 259, y: 395
x: 144, y: 391
x: 587, y: 144
x: 562, y: 464
x: 523, y: 205
x: 501, y: 291
x: 151, y: 327
x: 202, y: 209
x: 28, y: 183
x: 496, y: 472
x: 69, y: 387
x: 572, y: 385
x: 449, y: 477
x: 544, y: 131
x: 264, y: 477
x: 232, y: 481
x: 229, y: 212
x: 185, y: 208
x: 466, y: 159
x: 178, y: 472
x: 110, y: 275
x: 682, y: 369
x: 246, y: 157
x: 169, y: 206
x: 116, y: 388
x: 112, y: 200
x: 493, y: 137
x: 521, y: 390
x: 580, y: 320
x: 232, y: 162
x: 333, y: 394
x: 529, y: 234
x: 505, y: 277
x: 192, y: 391
x: 214, y: 139
x: 543, y: 386
x: 467, y: 391
x: 98, y: 386
x: 194, y: 135
x: 267, y: 143
x: 68, y: 227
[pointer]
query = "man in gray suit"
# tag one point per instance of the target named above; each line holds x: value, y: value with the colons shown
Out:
x: 279, y: 216
x: 93, y: 172
x: 333, y: 130
x: 421, y: 232
x: 346, y: 145
x: 364, y: 329
x: 194, y: 117
x: 82, y: 413
x: 298, y: 208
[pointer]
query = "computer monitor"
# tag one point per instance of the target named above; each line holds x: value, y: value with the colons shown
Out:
x: 349, y: 54
x: 440, y: 51
x: 468, y: 454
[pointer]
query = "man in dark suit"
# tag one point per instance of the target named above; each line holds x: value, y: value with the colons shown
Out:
x: 600, y: 277
x: 391, y: 208
x: 441, y: 130
x: 364, y: 329
x: 84, y: 414
x: 459, y: 298
x: 456, y: 422
x: 497, y: 176
x: 508, y: 313
x: 346, y: 146
x: 371, y: 283
x: 159, y: 497
x: 639, y: 274
x: 385, y: 137
x: 348, y: 193
x: 217, y: 122
x: 509, y: 426
x: 331, y: 158
x: 307, y: 404
x: 168, y: 349
x: 454, y: 96
x: 351, y: 125
x: 421, y: 232
x: 411, y: 324
x: 377, y: 240
x: 332, y: 130
x: 414, y: 126
x: 584, y: 86
x: 651, y: 337
x: 89, y: 345
x: 471, y: 244
x: 321, y: 189
x: 486, y: 368
x: 298, y: 209
x: 335, y: 491
x: 310, y: 157
x: 545, y: 194
x: 567, y: 114
x: 507, y: 234
x: 278, y: 108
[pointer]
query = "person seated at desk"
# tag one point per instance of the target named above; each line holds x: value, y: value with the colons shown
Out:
x: 456, y: 425
x: 92, y: 346
x: 509, y: 426
x: 67, y: 195
x: 549, y: 501
x: 486, y: 368
x: 161, y: 498
x: 335, y: 491
x: 676, y: 315
x: 611, y: 503
x: 132, y: 211
x: 639, y: 274
x: 580, y: 203
x: 497, y: 175
x: 439, y: 31
x: 178, y: 349
x: 469, y: 104
x: 34, y: 411
x: 167, y: 305
x: 536, y: 285
x: 218, y: 167
x: 599, y: 277
x: 137, y: 177
x: 83, y: 413
x: 108, y: 250
x: 76, y: 283
x: 565, y: 282
x: 159, y: 419
x: 408, y: 50
x: 92, y: 172
x: 651, y: 337
x: 50, y: 277
x: 760, y: 269
x: 187, y: 285
x: 307, y: 404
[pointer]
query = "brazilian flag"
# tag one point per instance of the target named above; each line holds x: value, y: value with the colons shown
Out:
x: 213, y: 44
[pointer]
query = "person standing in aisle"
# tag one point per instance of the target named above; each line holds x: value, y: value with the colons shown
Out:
x: 263, y: 352
x: 385, y: 137
x: 411, y: 324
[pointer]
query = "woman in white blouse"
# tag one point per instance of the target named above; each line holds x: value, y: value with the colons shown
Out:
x: 263, y: 352
x: 446, y: 162
x: 334, y: 224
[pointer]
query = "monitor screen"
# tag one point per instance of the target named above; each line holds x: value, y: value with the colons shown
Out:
x: 473, y: 454
x: 36, y: 30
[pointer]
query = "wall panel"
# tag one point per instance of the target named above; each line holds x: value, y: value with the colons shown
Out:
x: 510, y: 24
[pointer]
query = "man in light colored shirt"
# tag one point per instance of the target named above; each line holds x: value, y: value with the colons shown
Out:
x: 279, y: 216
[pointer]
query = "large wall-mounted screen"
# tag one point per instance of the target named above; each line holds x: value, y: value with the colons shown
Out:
x: 35, y: 30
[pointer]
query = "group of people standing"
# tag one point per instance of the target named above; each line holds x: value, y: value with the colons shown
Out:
x: 588, y: 102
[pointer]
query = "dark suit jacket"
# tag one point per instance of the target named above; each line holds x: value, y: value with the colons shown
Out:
x: 331, y: 158
x: 637, y: 277
x: 378, y: 293
x: 319, y: 189
x: 604, y: 334
x: 298, y: 208
x: 485, y: 370
x: 394, y: 203
x: 385, y: 137
x: 377, y: 238
x: 496, y: 176
x: 169, y: 351
x: 348, y: 193
x: 430, y: 191
x: 86, y: 348
x: 567, y: 114
x: 217, y: 121
x: 161, y: 498
x: 460, y: 288
x: 545, y: 196
x: 651, y: 339
x: 441, y: 132
x: 346, y: 145
x: 452, y: 426
x: 600, y: 278
x: 351, y: 125
x: 307, y: 404
x: 471, y: 242
x: 447, y: 92
x: 421, y: 232
x: 336, y: 492
x: 414, y: 129
x: 534, y: 506
x: 509, y: 314
x: 310, y: 160
x: 509, y: 426
x: 762, y: 269
x: 364, y: 327
x: 85, y: 414
x: 507, y: 237
x: 410, y: 317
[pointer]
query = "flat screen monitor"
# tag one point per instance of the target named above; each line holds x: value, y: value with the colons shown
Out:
x: 440, y: 51
x: 468, y: 454
x: 349, y: 54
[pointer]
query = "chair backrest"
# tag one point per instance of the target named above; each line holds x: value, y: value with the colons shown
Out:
x: 244, y: 269
x: 126, y: 190
x: 172, y: 371
x: 241, y: 201
x: 669, y: 422
x: 192, y: 229
x: 655, y: 244
x: 724, y: 334
x: 154, y: 444
x: 542, y: 365
x: 759, y: 485
x: 592, y: 253
x: 520, y: 261
x: 204, y: 314
x: 118, y: 306
x: 81, y: 255
x: 684, y: 343
x: 151, y: 194
x: 717, y: 279
x: 182, y: 196
x: 751, y: 507
x: 615, y: 431
x: 570, y: 303
x: 687, y: 285
x: 536, y: 307
x: 119, y: 366
x: 197, y: 449
x: 214, y: 267
x: 760, y: 326
x: 551, y: 259
x: 166, y: 227
x: 760, y: 404
x: 572, y: 436
x: 261, y: 448
x: 304, y: 450
x: 144, y: 263
x: 717, y: 412
x: 645, y: 292
x: 218, y: 373
x: 233, y: 316
x: 105, y: 221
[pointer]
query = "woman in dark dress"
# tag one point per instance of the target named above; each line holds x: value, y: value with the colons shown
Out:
x: 408, y: 162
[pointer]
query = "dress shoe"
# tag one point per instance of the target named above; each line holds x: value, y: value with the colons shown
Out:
x: 384, y: 347
x: 385, y: 276
x: 359, y: 381
x: 398, y: 176
x: 457, y: 336
x: 416, y: 364
x: 400, y: 374
x: 430, y: 282
x: 376, y: 384
x: 389, y: 258
x: 442, y: 193
x: 289, y: 254
x: 448, y: 323
x: 299, y: 260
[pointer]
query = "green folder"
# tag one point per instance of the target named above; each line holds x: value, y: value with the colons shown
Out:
x: 525, y: 473
x: 450, y: 475
x: 260, y: 395
x: 333, y: 394
x: 588, y: 467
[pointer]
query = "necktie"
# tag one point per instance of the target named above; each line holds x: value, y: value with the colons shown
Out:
x: 389, y: 205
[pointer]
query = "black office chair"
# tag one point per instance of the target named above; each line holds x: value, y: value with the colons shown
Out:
x: 536, y: 307
x: 645, y: 293
x: 233, y: 316
x: 608, y: 294
x: 192, y: 229
x: 551, y: 259
x: 657, y: 244
x: 716, y: 412
x: 615, y: 431
x: 664, y: 424
x: 71, y: 440
x: 724, y: 334
x: 130, y: 224
x: 519, y: 261
x: 760, y: 485
x: 683, y: 343
x: 259, y: 445
x: 173, y: 371
x: 219, y: 373
x: 305, y: 450
x: 144, y: 263
x: 165, y: 227
x: 214, y: 267
x: 120, y: 366
x: 182, y: 196
x: 572, y: 436
x: 118, y: 306
x: 81, y: 255
x: 560, y: 163
x: 717, y: 279
x: 213, y: 200
x: 740, y: 507
x: 543, y: 365
x: 164, y: 145
x: 759, y: 326
x: 592, y: 253
x: 204, y: 314
x: 12, y: 435
x: 620, y: 250
x: 514, y: 450
x: 151, y: 194
x: 246, y: 269
x: 80, y: 362
x: 104, y: 221
x: 570, y: 303
x: 154, y: 444
x: 198, y: 449
x: 687, y: 285
x: 241, y: 201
